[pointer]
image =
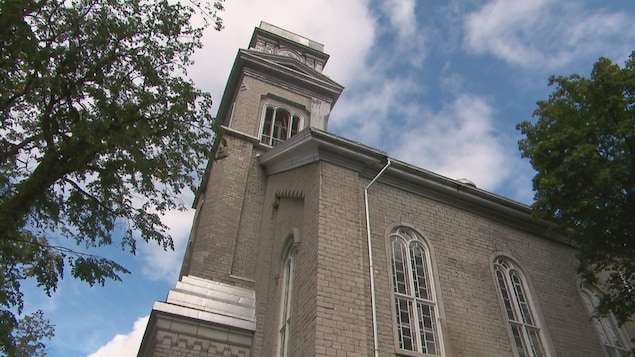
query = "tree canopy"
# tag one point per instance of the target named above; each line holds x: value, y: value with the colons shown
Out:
x: 99, y: 133
x: 29, y: 335
x: 583, y: 149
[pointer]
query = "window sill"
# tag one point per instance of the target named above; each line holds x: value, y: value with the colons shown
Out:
x: 407, y: 353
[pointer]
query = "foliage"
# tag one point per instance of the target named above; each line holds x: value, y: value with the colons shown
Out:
x: 29, y: 335
x: 99, y: 131
x: 583, y: 149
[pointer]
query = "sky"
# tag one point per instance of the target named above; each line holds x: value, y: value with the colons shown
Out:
x: 438, y: 84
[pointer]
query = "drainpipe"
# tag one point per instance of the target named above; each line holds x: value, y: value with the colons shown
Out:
x: 371, y: 269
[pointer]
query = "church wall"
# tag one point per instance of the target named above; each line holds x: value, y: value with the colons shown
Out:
x: 246, y: 220
x: 332, y: 311
x: 246, y: 244
x: 463, y: 245
x: 290, y: 209
x: 344, y: 321
x: 215, y: 248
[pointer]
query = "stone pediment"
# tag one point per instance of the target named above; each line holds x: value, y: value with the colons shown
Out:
x: 290, y: 60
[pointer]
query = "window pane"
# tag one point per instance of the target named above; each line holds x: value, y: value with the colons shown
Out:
x: 526, y: 334
x: 502, y: 285
x: 281, y: 126
x: 416, y: 317
x: 399, y: 260
x: 285, y: 305
x: 427, y: 328
x: 283, y: 340
x: 610, y: 333
x: 295, y: 123
x: 606, y: 327
x: 404, y: 329
x: 519, y: 291
x: 518, y: 340
x: 419, y: 271
x: 536, y: 342
x: 267, y: 126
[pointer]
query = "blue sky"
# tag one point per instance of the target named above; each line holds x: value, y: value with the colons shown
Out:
x: 439, y: 84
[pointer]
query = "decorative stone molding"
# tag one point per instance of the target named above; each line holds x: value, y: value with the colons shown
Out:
x: 202, y: 315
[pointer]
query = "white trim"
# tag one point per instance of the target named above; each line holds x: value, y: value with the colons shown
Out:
x: 432, y: 299
x: 293, y: 114
x: 532, y: 309
x: 605, y: 324
x: 211, y: 301
x: 286, y: 302
x: 231, y: 114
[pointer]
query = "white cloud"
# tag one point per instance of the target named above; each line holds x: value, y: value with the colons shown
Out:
x: 458, y: 141
x: 366, y: 112
x: 162, y: 264
x: 410, y: 37
x: 124, y: 345
x: 402, y: 16
x: 346, y: 28
x: 546, y: 33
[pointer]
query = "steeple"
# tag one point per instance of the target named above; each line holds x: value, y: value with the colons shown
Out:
x: 275, y: 90
x: 284, y: 70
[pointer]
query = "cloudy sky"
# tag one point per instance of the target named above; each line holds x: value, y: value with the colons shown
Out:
x: 439, y: 84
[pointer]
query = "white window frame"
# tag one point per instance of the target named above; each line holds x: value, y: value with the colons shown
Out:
x: 414, y: 295
x: 612, y: 336
x: 286, y: 302
x: 523, y: 322
x: 274, y: 134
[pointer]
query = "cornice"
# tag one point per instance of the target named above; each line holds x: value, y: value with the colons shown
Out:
x: 271, y: 63
x: 312, y: 145
x: 264, y: 63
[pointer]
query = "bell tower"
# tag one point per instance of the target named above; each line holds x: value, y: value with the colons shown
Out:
x: 275, y: 90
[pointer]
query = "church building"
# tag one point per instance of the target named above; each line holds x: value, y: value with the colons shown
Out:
x: 305, y: 243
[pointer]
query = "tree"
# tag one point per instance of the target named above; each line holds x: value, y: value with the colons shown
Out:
x: 30, y: 333
x: 583, y: 149
x: 100, y: 132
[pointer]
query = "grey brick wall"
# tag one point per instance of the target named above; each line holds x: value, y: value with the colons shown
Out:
x: 331, y: 300
x: 462, y: 246
x: 332, y: 311
x: 225, y: 207
x: 343, y: 311
x: 247, y: 217
x: 290, y: 205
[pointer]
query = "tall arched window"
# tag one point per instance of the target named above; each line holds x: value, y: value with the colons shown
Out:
x: 284, y: 326
x: 528, y: 339
x: 279, y: 125
x: 416, y: 312
x: 615, y: 344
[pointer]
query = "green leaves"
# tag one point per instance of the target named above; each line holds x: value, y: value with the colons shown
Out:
x: 583, y: 150
x: 29, y: 335
x: 98, y: 131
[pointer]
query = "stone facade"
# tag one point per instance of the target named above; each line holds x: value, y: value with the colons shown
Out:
x: 309, y: 193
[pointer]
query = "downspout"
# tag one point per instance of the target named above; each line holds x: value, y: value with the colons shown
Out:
x: 371, y: 269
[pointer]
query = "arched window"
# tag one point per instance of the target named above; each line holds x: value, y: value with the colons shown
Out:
x: 279, y: 125
x: 615, y: 344
x: 284, y: 326
x: 416, y: 312
x: 528, y: 340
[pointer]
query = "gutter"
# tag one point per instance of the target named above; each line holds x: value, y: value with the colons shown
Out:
x: 371, y: 269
